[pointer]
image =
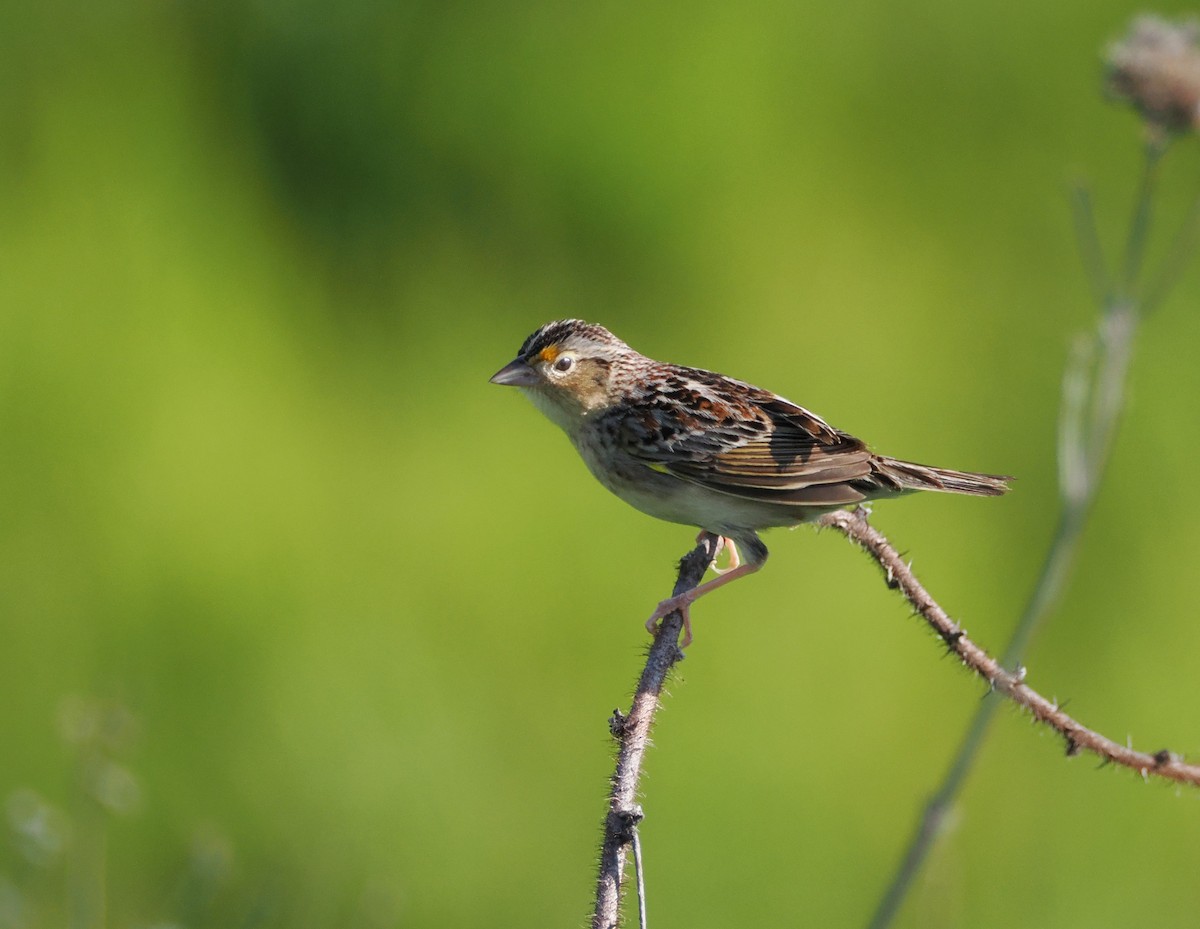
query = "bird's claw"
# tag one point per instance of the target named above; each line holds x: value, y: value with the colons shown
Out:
x: 667, y: 607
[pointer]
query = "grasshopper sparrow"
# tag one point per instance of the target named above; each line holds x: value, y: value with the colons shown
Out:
x: 695, y: 447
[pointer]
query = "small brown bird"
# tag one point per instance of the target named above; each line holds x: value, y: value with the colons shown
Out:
x: 695, y: 447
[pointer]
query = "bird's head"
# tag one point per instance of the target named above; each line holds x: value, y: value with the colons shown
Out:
x: 566, y: 368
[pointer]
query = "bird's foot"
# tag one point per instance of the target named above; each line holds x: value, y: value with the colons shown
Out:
x: 682, y: 603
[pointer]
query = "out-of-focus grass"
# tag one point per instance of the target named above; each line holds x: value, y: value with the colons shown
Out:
x: 370, y: 614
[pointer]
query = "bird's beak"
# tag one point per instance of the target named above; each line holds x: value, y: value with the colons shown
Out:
x: 516, y: 374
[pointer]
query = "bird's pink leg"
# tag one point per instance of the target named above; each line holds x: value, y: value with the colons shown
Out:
x: 688, y: 597
x: 734, y: 558
x: 722, y: 543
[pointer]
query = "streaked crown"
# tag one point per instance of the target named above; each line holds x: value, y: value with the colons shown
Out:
x: 569, y: 334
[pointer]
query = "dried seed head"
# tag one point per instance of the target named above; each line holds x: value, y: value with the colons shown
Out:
x: 1156, y: 69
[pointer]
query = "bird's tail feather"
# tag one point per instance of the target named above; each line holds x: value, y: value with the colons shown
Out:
x: 911, y: 476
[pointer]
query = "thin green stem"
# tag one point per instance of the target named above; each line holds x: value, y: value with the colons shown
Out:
x: 1077, y: 381
x: 1048, y: 588
x: 1088, y: 240
x: 1139, y: 226
x: 641, y: 877
x: 1092, y: 400
x: 1115, y: 336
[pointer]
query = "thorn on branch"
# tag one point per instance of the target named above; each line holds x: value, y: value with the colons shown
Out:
x: 1073, y: 747
x: 622, y: 822
x: 951, y: 636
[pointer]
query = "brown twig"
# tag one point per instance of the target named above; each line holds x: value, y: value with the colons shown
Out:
x: 1092, y: 399
x: 1010, y: 684
x: 632, y: 730
x: 632, y: 733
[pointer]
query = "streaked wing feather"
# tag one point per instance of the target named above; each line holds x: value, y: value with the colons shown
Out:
x: 741, y: 440
x: 758, y: 464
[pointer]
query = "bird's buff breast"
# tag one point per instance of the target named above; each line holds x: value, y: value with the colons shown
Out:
x: 673, y: 499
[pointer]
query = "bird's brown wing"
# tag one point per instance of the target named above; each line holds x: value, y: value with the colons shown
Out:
x: 738, y: 439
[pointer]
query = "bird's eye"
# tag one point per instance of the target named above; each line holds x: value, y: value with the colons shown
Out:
x: 563, y: 364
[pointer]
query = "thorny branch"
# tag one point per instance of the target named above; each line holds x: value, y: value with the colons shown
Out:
x: 1156, y: 69
x: 632, y: 733
x: 1146, y: 69
x: 1010, y: 684
x: 632, y: 730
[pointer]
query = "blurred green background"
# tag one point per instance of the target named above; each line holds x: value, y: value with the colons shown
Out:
x: 305, y: 624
